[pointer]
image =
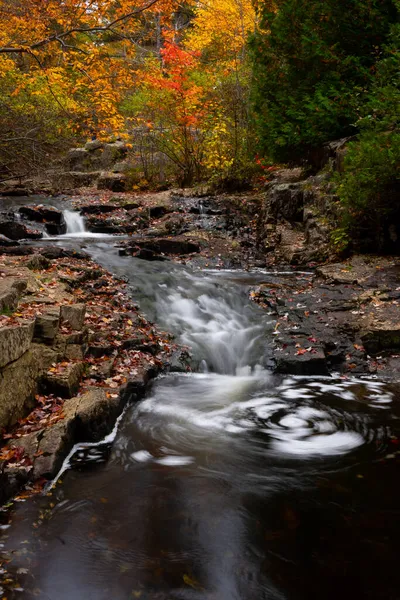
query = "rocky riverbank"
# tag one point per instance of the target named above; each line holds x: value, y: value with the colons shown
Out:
x: 74, y: 349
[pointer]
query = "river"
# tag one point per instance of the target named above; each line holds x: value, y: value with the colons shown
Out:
x: 229, y: 483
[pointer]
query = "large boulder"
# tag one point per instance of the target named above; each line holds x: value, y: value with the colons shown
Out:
x: 18, y: 231
x: 80, y: 159
x: 113, y: 153
x: 76, y: 179
x: 42, y: 214
x: 115, y: 182
x: 14, y: 342
x: 286, y: 200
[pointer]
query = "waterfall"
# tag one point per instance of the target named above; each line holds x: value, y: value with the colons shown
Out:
x: 75, y: 222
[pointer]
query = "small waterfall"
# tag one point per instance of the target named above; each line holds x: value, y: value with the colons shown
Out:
x: 75, y: 222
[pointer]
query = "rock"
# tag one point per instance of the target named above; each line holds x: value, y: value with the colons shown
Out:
x: 53, y: 252
x: 180, y: 362
x: 53, y: 444
x: 11, y: 289
x: 63, y: 383
x: 14, y: 342
x: 102, y: 370
x: 46, y: 327
x: 74, y: 314
x: 98, y: 209
x: 145, y: 254
x: 19, y: 383
x: 38, y: 263
x: 80, y: 159
x: 286, y: 201
x: 129, y: 205
x: 156, y: 212
x: 96, y: 414
x: 94, y: 145
x: 76, y: 179
x: 305, y: 364
x: 18, y: 231
x: 97, y: 350
x: 113, y: 153
x: 383, y: 337
x: 5, y: 241
x: 169, y: 246
x: 116, y: 182
x: 86, y: 418
x: 123, y: 166
x: 42, y: 214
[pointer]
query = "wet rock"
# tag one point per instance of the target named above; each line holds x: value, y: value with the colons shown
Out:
x: 144, y: 254
x: 383, y: 337
x: 65, y: 383
x: 307, y: 364
x: 18, y: 231
x: 54, y: 252
x: 5, y: 241
x: 86, y: 418
x: 74, y: 315
x: 19, y: 383
x: 96, y: 414
x: 169, y: 246
x: 46, y: 327
x: 180, y: 362
x: 14, y: 342
x: 98, y: 209
x: 42, y: 214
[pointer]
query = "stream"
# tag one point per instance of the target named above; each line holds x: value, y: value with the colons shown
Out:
x: 229, y: 483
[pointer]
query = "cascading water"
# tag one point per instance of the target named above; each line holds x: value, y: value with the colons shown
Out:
x: 233, y: 484
x: 75, y: 222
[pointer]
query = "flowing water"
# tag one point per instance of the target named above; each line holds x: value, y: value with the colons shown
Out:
x: 229, y: 483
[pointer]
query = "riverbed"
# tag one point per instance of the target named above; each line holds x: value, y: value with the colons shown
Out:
x: 227, y: 483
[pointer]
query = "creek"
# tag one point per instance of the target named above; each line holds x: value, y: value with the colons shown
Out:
x: 228, y: 483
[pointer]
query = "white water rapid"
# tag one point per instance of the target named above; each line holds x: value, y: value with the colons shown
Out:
x: 75, y: 223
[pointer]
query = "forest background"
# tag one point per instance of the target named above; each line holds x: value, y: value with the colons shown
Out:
x: 220, y: 91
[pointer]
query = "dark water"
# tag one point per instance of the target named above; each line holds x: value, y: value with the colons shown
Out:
x: 227, y: 484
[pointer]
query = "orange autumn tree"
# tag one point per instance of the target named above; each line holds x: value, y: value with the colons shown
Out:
x: 171, y: 106
x: 194, y: 95
x: 65, y: 66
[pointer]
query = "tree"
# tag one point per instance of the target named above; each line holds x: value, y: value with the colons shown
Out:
x: 311, y: 61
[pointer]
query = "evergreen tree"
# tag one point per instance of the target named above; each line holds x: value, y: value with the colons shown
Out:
x: 313, y: 60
